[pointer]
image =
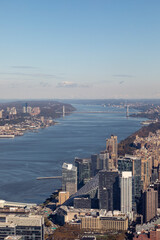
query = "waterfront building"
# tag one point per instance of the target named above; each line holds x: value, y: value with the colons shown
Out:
x: 108, y: 190
x: 90, y: 189
x: 24, y: 109
x: 94, y: 162
x: 83, y: 171
x: 63, y: 196
x: 1, y: 113
x: 29, y: 109
x: 69, y: 178
x: 150, y: 204
x: 29, y: 227
x: 112, y: 149
x: 126, y: 193
x: 42, y: 119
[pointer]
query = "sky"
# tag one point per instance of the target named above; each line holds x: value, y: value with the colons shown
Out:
x: 79, y: 49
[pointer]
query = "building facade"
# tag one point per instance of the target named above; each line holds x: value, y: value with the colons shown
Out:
x: 150, y: 204
x: 104, y: 223
x: 112, y: 148
x: 109, y: 191
x: 83, y: 171
x: 29, y: 227
x: 69, y: 178
x: 126, y: 192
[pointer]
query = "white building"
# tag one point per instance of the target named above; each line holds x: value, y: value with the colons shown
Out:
x: 126, y: 193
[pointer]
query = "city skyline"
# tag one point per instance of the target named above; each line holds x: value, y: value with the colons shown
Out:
x: 79, y: 49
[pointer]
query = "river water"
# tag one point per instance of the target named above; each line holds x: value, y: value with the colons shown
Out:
x: 42, y: 154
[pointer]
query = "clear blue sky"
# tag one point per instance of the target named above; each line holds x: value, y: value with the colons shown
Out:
x: 80, y: 49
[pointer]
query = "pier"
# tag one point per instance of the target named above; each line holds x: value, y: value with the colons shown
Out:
x: 54, y: 177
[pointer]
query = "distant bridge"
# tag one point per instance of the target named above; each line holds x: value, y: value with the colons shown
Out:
x: 127, y: 112
x: 103, y: 112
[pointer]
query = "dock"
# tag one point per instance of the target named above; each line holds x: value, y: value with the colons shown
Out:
x: 54, y: 177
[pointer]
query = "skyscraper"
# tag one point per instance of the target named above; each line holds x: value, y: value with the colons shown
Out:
x: 157, y: 188
x: 133, y: 164
x: 150, y: 204
x: 126, y: 192
x: 109, y: 192
x: 104, y: 157
x: 112, y: 147
x: 83, y: 171
x: 94, y: 162
x: 69, y: 178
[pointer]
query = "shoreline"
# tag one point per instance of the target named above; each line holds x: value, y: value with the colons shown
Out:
x: 126, y: 146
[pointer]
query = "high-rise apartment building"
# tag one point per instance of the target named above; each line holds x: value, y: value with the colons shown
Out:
x: 157, y: 188
x: 133, y: 164
x: 69, y: 178
x: 109, y: 192
x: 126, y: 193
x: 150, y: 204
x: 146, y: 171
x: 112, y: 149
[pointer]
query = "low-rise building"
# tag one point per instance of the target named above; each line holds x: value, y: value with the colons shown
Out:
x: 118, y: 223
x: 29, y: 227
x: 153, y: 234
x: 94, y: 219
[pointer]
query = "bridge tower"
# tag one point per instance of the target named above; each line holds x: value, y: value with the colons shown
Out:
x: 127, y: 111
x: 63, y: 111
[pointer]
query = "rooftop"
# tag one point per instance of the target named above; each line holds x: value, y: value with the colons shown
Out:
x: 69, y: 166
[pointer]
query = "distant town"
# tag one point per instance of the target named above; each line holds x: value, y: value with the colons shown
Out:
x: 18, y: 117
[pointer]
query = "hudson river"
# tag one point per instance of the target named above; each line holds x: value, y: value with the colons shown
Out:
x: 42, y: 154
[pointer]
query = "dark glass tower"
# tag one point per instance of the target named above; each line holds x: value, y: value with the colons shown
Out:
x: 83, y: 171
x: 109, y: 191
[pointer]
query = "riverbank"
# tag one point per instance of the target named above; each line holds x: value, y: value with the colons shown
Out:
x: 16, y: 118
x: 127, y: 146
